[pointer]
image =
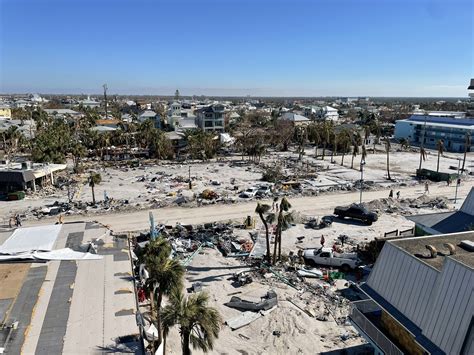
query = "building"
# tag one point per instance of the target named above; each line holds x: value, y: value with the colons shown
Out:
x: 297, y: 120
x: 450, y: 127
x: 63, y: 113
x: 26, y: 175
x: 211, y: 118
x: 447, y: 222
x: 150, y: 115
x: 329, y: 113
x: 89, y: 103
x: 418, y: 298
x: 5, y: 112
x: 470, y: 109
x: 58, y: 306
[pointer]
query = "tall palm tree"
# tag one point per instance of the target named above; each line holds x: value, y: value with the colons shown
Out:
x: 440, y: 147
x: 94, y: 179
x: 165, y: 275
x: 261, y: 210
x: 387, y: 150
x: 284, y: 218
x: 326, y: 130
x: 422, y: 156
x: 467, y: 146
x: 355, y: 150
x: 345, y: 141
x: 334, y: 148
x: 315, y: 136
x: 199, y: 324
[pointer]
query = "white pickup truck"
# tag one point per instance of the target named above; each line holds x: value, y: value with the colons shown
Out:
x: 326, y: 256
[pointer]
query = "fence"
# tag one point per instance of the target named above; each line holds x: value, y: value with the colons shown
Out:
x: 396, y: 233
x: 357, y: 316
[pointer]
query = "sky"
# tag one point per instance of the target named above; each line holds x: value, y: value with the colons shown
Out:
x: 238, y: 47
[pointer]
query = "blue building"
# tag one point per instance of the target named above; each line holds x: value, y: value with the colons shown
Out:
x: 451, y: 128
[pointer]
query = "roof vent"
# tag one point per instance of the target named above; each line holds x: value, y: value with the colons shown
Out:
x: 451, y: 248
x: 432, y: 249
x: 467, y: 244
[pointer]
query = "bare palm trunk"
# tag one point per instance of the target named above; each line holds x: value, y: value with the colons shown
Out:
x: 267, y: 237
x: 158, y: 318
x: 437, y: 165
x: 388, y: 166
x: 342, y: 160
x: 279, y: 244
x: 352, y: 162
x: 324, y: 151
x: 316, y: 152
x: 93, y: 194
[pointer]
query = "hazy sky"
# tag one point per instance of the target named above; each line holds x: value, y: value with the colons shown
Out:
x: 238, y: 47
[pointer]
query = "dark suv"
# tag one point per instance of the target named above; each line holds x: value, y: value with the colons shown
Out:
x: 356, y: 211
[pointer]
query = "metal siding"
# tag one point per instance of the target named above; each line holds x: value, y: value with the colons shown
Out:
x: 417, y: 313
x: 450, y: 312
x: 434, y: 279
x: 411, y: 293
x: 453, y: 308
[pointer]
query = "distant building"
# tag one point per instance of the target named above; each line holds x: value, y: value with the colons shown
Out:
x: 451, y: 128
x: 294, y: 118
x: 5, y: 112
x: 89, y: 103
x: 150, y: 115
x: 330, y: 113
x: 211, y: 118
x: 418, y: 298
x: 63, y: 113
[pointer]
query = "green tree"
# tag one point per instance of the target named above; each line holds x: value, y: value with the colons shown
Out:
x: 52, y: 142
x: 199, y: 324
x: 440, y: 147
x: 94, y: 179
x: 165, y: 275
x: 201, y: 145
x: 261, y: 210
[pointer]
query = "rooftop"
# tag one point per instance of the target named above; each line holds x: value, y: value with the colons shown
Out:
x: 416, y: 246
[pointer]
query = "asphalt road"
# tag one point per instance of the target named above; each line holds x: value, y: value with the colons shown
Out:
x: 312, y: 205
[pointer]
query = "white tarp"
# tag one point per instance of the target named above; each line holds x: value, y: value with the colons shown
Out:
x: 31, y: 239
x: 59, y: 254
x: 65, y: 254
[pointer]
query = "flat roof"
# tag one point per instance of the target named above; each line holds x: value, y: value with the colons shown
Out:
x: 80, y: 307
x: 445, y: 222
x: 416, y: 246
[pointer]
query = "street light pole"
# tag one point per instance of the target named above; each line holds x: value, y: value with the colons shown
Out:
x: 457, y: 183
x: 362, y: 163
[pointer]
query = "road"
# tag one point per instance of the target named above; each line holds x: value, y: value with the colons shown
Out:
x: 312, y: 205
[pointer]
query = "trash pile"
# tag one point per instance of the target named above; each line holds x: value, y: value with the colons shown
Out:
x: 406, y: 206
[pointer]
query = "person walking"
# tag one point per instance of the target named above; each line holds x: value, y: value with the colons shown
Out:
x: 390, y: 195
x: 427, y: 188
x: 18, y: 221
x: 398, y: 195
x: 323, y: 240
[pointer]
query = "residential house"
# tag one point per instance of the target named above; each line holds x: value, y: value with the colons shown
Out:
x: 5, y: 112
x: 211, y: 118
x: 150, y: 115
x: 89, y: 103
x: 297, y: 120
x: 418, y: 298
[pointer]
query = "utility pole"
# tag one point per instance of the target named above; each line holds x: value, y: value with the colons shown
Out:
x: 190, y: 184
x: 362, y: 163
x: 105, y: 98
x: 457, y: 183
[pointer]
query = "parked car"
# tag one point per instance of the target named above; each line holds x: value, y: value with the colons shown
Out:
x: 356, y: 211
x: 327, y: 257
x: 250, y: 192
x: 264, y: 191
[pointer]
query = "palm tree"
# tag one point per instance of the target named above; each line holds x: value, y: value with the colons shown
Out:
x: 387, y: 149
x: 199, y: 324
x: 326, y: 130
x: 440, y: 146
x: 261, y: 210
x: 422, y: 156
x: 314, y: 136
x: 355, y: 150
x: 467, y: 146
x: 283, y: 219
x: 94, y: 179
x: 345, y: 141
x: 165, y: 275
x: 334, y: 148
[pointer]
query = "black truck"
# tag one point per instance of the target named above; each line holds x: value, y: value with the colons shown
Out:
x: 356, y: 211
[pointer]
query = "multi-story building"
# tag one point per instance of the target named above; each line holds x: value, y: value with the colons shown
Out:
x: 211, y: 118
x: 450, y: 127
x: 418, y: 298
